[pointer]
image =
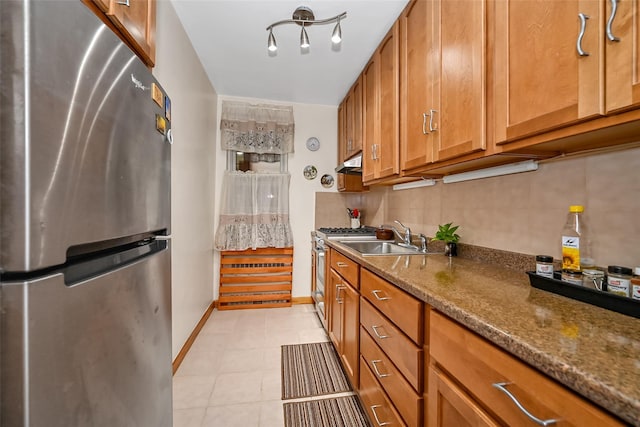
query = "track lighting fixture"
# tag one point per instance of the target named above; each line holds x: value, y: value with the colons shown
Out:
x: 304, y: 17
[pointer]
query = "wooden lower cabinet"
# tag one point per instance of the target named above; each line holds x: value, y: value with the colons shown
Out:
x: 380, y: 410
x: 482, y: 369
x: 451, y: 407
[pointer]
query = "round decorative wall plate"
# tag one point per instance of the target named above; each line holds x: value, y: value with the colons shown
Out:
x: 313, y: 143
x: 326, y: 181
x: 310, y: 172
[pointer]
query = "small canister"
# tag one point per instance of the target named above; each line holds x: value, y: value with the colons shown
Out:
x: 544, y: 266
x: 592, y: 278
x: 572, y: 276
x: 635, y: 284
x: 619, y: 280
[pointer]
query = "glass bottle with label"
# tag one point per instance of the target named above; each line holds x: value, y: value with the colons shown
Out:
x: 576, y: 248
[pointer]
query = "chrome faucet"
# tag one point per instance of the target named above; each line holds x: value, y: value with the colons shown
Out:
x: 406, y: 239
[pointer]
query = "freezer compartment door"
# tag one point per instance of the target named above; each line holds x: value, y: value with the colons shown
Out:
x: 81, y: 159
x: 93, y: 353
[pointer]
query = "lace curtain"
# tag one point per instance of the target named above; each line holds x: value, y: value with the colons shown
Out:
x: 257, y: 128
x: 254, y: 211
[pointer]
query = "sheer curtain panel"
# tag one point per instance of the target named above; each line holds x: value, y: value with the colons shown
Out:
x: 257, y: 128
x: 254, y: 212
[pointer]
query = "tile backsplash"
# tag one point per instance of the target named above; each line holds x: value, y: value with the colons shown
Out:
x: 521, y: 213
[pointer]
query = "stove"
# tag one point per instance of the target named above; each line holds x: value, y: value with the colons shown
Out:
x: 345, y: 233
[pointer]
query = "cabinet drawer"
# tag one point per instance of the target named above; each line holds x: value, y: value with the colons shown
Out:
x: 401, y: 308
x: 346, y: 268
x: 478, y: 364
x: 404, y: 354
x: 379, y: 409
x: 402, y: 395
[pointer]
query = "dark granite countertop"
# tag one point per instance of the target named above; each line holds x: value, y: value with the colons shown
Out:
x: 593, y: 351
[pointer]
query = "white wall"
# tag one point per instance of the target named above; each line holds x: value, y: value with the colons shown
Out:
x: 310, y: 120
x: 194, y: 103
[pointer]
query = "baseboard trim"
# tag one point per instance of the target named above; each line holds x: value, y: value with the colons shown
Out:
x: 301, y: 300
x: 187, y: 345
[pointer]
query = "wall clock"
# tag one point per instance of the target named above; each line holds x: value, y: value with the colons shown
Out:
x: 313, y: 143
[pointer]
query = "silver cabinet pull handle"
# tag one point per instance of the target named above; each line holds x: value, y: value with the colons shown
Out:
x: 375, y: 294
x: 375, y: 415
x: 503, y: 388
x: 583, y: 27
x: 432, y: 128
x: 374, y: 151
x: 124, y: 2
x: 375, y: 331
x: 342, y: 264
x: 339, y: 287
x: 374, y: 363
x: 424, y: 123
x: 614, y: 10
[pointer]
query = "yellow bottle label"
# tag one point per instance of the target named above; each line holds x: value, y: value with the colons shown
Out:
x: 570, y: 253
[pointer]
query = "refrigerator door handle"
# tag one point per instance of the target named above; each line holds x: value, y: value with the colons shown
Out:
x: 169, y: 237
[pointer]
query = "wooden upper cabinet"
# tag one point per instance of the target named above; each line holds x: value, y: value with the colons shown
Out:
x: 622, y: 56
x: 353, y: 105
x: 342, y: 132
x: 369, y: 118
x: 458, y: 74
x: 416, y: 149
x: 542, y: 82
x: 136, y: 22
x: 380, y: 85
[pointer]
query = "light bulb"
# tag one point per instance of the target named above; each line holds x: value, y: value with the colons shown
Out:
x: 272, y: 42
x: 336, y: 37
x: 304, y: 38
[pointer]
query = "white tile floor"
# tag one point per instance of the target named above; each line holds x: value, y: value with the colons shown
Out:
x: 231, y: 375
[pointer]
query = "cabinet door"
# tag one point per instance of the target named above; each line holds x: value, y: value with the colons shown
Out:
x: 450, y: 406
x: 348, y: 124
x: 369, y: 119
x: 356, y: 96
x: 542, y: 82
x: 137, y: 21
x: 335, y: 308
x: 342, y: 132
x: 623, y: 55
x: 458, y: 72
x: 387, y: 145
x: 415, y: 91
x: 350, y: 333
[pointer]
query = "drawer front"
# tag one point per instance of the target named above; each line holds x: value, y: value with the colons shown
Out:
x: 404, y: 354
x: 401, y: 308
x: 404, y: 398
x: 379, y: 409
x: 479, y: 364
x: 348, y: 269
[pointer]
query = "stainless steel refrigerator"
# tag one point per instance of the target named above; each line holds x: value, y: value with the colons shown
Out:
x: 85, y: 158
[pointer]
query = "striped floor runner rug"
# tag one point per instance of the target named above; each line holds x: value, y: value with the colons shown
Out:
x: 312, y: 370
x: 334, y: 412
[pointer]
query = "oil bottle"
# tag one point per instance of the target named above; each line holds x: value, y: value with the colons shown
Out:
x: 576, y: 248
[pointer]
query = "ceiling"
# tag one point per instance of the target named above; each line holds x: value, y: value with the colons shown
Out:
x: 230, y: 38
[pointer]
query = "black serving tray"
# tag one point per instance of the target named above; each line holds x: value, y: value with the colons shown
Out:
x: 612, y: 302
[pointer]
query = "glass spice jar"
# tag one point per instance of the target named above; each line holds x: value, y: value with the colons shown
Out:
x: 619, y: 280
x: 572, y: 276
x: 544, y: 266
x: 592, y: 278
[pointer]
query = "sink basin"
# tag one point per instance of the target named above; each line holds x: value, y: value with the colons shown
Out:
x: 377, y: 247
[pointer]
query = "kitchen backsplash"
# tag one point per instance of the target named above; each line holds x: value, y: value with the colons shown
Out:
x: 521, y: 213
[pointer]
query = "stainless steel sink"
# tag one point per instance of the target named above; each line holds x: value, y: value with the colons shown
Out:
x: 377, y: 247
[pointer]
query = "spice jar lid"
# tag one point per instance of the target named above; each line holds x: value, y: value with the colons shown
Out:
x: 546, y: 258
x: 616, y: 269
x: 572, y: 272
x: 593, y: 272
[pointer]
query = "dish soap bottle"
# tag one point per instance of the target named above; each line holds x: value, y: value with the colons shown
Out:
x: 576, y: 250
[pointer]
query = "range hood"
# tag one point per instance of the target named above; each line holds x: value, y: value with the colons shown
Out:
x: 353, y: 166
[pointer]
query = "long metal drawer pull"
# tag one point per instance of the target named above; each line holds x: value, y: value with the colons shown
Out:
x: 375, y: 331
x: 342, y: 264
x: 124, y: 3
x: 375, y: 294
x: 424, y: 123
x: 503, y: 388
x: 375, y: 368
x: 583, y: 27
x: 614, y: 10
x: 432, y: 128
x: 375, y: 415
x: 339, y: 287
